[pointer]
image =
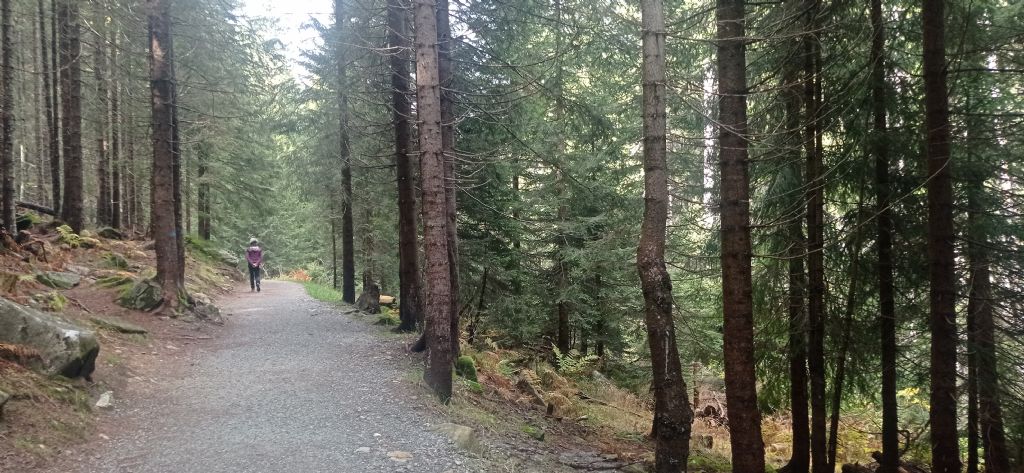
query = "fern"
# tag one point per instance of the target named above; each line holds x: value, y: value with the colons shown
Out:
x: 574, y: 363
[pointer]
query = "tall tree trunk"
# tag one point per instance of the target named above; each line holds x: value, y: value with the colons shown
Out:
x: 800, y: 460
x: 48, y: 107
x: 348, y: 261
x: 203, y: 191
x: 334, y: 250
x: 438, y: 373
x: 942, y: 271
x: 445, y: 78
x: 56, y: 137
x: 7, y: 119
x: 738, y: 330
x: 846, y: 334
x: 672, y: 413
x: 39, y: 193
x: 408, y: 256
x: 890, y: 460
x: 815, y: 245
x: 178, y: 164
x: 131, y: 190
x: 972, y: 377
x: 102, y: 121
x: 165, y: 223
x: 116, y: 204
x: 561, y: 264
x: 980, y: 311
x: 72, y: 210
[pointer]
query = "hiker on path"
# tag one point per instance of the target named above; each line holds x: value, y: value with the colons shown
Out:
x: 254, y: 256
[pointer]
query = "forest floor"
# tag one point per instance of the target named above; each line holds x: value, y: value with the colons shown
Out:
x: 294, y: 384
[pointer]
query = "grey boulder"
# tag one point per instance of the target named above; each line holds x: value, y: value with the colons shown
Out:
x: 59, y: 280
x: 66, y: 348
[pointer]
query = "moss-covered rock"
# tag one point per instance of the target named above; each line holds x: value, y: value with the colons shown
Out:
x: 205, y: 310
x: 8, y: 282
x: 110, y: 233
x: 26, y: 220
x: 66, y: 348
x: 58, y: 279
x: 52, y: 301
x: 536, y: 433
x: 145, y: 294
x: 466, y: 367
x: 115, y: 260
x: 89, y: 242
x: 115, y: 279
x: 68, y: 236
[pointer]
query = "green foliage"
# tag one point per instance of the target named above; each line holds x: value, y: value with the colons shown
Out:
x: 574, y: 363
x: 114, y: 260
x: 534, y: 432
x: 52, y: 301
x: 68, y: 236
x: 466, y: 367
x: 322, y: 293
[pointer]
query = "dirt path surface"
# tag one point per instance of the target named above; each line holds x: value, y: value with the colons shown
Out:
x: 293, y: 385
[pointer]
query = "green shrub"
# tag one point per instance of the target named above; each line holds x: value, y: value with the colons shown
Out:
x: 114, y: 260
x: 465, y: 367
x: 68, y: 236
x: 573, y: 363
x: 321, y: 292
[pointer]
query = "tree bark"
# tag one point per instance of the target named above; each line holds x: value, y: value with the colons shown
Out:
x: 972, y: 377
x: 348, y: 260
x: 438, y: 373
x: 408, y: 257
x: 102, y: 121
x: 39, y: 117
x: 738, y: 330
x: 7, y: 119
x: 131, y: 191
x: 48, y: 45
x: 942, y: 271
x: 72, y: 211
x: 334, y: 250
x: 672, y: 413
x: 164, y: 218
x: 116, y: 204
x: 890, y: 460
x: 846, y: 335
x: 800, y: 460
x: 56, y: 139
x: 815, y: 245
x: 445, y: 78
x: 980, y: 311
x: 203, y: 191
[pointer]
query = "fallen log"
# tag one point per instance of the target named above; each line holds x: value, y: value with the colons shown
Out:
x: 37, y: 208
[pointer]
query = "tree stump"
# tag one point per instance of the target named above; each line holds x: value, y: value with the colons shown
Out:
x: 369, y: 299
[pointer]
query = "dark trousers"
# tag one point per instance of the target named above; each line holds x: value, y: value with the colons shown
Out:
x: 254, y: 276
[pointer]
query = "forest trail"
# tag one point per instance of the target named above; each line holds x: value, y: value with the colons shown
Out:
x: 293, y: 385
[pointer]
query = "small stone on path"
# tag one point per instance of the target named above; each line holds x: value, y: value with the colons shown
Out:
x: 400, y: 456
x: 106, y: 400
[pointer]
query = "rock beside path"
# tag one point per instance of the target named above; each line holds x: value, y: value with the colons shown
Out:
x: 4, y: 397
x: 59, y: 280
x: 462, y: 436
x: 66, y: 348
x: 117, y: 325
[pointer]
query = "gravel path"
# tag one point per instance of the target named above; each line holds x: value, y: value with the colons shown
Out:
x: 293, y: 386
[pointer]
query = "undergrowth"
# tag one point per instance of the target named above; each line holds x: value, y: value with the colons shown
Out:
x: 321, y: 292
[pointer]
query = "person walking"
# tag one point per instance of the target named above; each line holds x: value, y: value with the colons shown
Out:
x: 254, y: 256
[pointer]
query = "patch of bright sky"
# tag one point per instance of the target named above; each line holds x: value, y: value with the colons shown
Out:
x: 293, y: 18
